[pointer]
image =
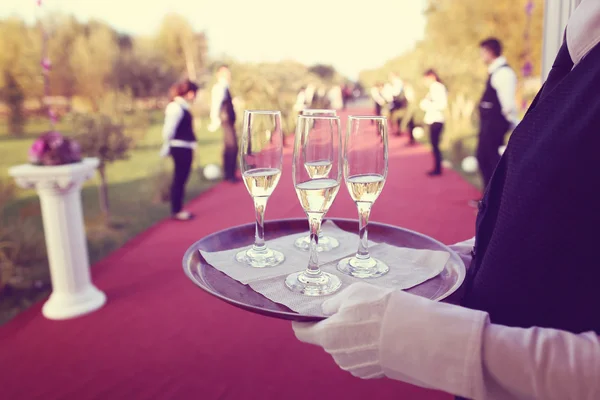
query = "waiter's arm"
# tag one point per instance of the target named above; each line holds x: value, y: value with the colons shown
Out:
x: 217, y: 97
x: 504, y: 81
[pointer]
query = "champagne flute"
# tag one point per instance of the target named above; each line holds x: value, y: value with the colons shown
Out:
x: 365, y: 172
x: 316, y: 136
x: 261, y: 158
x: 326, y: 243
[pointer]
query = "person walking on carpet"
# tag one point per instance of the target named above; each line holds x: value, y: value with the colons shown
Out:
x: 179, y: 143
x: 222, y: 114
x: 434, y: 104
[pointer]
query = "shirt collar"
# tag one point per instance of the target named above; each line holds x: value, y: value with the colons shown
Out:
x: 497, y: 63
x: 583, y: 29
x: 182, y: 102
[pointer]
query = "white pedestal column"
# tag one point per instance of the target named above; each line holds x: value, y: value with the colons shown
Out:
x: 59, y: 190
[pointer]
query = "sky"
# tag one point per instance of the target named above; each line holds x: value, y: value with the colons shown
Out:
x: 343, y: 33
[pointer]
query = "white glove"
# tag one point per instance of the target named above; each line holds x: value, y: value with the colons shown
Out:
x: 352, y: 334
x: 463, y: 249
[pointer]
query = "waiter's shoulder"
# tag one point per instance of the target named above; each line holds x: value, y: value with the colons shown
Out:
x: 583, y: 29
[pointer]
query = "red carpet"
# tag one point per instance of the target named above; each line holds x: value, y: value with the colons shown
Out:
x: 160, y: 337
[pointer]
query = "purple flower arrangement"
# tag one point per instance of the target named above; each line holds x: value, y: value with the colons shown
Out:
x: 52, y: 148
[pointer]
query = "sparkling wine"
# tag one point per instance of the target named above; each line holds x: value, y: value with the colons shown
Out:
x: 365, y: 188
x: 317, y: 195
x: 261, y: 182
x: 318, y: 169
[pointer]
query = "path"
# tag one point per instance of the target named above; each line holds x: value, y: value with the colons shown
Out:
x: 160, y: 337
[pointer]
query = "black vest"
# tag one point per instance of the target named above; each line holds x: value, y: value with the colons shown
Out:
x: 536, y: 255
x: 185, y: 128
x: 490, y: 109
x: 227, y: 109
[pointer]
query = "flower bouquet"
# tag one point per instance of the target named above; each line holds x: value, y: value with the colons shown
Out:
x: 52, y: 148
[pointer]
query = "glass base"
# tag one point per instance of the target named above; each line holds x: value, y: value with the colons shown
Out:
x: 263, y: 258
x: 326, y: 243
x: 319, y: 285
x: 363, y: 268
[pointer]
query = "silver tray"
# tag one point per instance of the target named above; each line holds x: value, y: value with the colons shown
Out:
x: 233, y: 292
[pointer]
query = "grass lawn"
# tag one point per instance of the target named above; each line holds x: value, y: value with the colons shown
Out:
x: 134, y: 185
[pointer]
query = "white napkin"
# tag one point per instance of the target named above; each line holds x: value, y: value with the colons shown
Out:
x: 408, y: 267
x: 295, y: 259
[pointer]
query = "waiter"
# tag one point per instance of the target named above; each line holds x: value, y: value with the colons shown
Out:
x: 497, y: 108
x: 529, y: 326
x: 222, y: 114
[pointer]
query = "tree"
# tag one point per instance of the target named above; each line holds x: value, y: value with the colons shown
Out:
x: 183, y: 48
x: 19, y: 69
x: 325, y: 72
x: 101, y: 136
x: 13, y: 95
x: 92, y: 59
x: 142, y: 69
x: 63, y: 31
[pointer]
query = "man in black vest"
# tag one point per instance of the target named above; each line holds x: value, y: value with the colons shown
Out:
x: 497, y: 108
x: 223, y: 114
x: 529, y: 324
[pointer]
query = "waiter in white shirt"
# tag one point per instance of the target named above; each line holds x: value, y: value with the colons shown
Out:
x: 378, y: 98
x: 529, y: 326
x: 222, y: 114
x: 497, y: 108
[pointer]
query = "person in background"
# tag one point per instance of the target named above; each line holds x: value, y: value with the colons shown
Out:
x: 378, y: 99
x: 399, y: 103
x: 335, y: 97
x: 180, y: 142
x: 497, y: 108
x: 529, y: 325
x: 222, y: 114
x: 434, y: 105
x: 346, y: 95
x: 300, y: 100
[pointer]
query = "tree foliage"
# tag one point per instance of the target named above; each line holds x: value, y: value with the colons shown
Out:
x: 103, y: 137
x: 451, y: 43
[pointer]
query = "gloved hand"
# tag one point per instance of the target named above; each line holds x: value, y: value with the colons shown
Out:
x: 352, y: 333
x: 463, y: 249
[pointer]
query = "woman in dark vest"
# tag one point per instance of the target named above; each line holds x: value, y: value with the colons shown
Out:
x: 180, y: 142
x: 529, y: 322
x: 434, y: 105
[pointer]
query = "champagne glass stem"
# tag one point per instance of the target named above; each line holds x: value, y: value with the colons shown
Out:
x: 260, y: 203
x: 364, y: 210
x: 313, y: 260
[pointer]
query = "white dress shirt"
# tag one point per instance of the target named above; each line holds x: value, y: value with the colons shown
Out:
x: 459, y: 351
x: 435, y: 104
x: 217, y: 97
x: 504, y: 81
x: 173, y: 115
x: 397, y: 86
x: 377, y: 97
x: 388, y: 92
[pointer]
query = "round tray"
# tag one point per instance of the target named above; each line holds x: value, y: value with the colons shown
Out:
x: 222, y: 286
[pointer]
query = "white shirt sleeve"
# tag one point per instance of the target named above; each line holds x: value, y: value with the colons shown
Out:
x: 504, y: 81
x: 457, y: 350
x: 377, y: 96
x: 217, y: 96
x: 173, y: 114
x: 437, y: 99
